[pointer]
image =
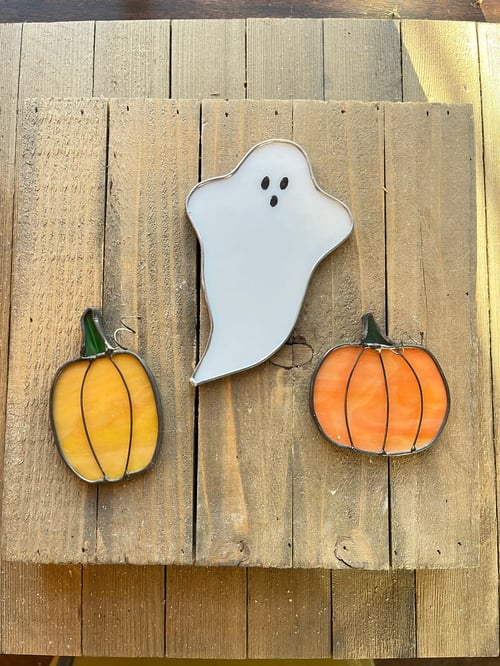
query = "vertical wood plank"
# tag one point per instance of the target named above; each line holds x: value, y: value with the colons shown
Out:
x: 150, y: 281
x: 57, y: 59
x: 373, y: 615
x: 366, y: 65
x: 10, y: 53
x: 40, y: 608
x: 206, y: 613
x: 57, y: 273
x: 244, y: 454
x: 132, y: 58
x: 284, y: 59
x: 362, y: 60
x: 10, y: 49
x: 234, y: 445
x: 123, y: 611
x: 341, y: 500
x: 208, y: 59
x: 440, y: 63
x: 289, y: 614
x: 431, y: 267
x: 489, y: 58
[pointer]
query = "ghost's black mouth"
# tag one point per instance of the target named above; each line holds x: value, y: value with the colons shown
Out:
x: 273, y: 201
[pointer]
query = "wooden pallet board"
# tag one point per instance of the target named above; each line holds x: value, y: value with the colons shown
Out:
x: 260, y: 478
x: 35, y: 615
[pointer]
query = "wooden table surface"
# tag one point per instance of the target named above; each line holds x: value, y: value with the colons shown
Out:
x: 233, y: 613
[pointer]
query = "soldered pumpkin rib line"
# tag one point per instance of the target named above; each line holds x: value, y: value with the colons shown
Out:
x: 82, y: 411
x: 131, y: 412
x: 421, y: 395
x: 387, y: 401
x: 346, y: 417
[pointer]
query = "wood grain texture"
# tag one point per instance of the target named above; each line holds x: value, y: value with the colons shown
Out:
x: 132, y: 59
x: 284, y: 59
x: 244, y: 421
x: 427, y: 53
x: 340, y: 500
x: 62, y: 160
x: 41, y: 611
x: 374, y: 614
x: 440, y: 594
x: 431, y: 264
x: 57, y: 60
x: 150, y: 281
x: 113, y: 600
x: 10, y: 53
x: 362, y: 60
x: 489, y: 54
x: 58, y: 10
x: 289, y: 614
x: 208, y: 59
x: 206, y: 613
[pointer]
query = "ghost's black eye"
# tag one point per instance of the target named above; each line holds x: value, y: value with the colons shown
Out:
x: 265, y: 183
x: 284, y: 183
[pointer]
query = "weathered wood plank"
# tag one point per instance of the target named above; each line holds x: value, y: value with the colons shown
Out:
x: 57, y: 60
x: 208, y: 59
x: 123, y: 611
x: 373, y: 614
x: 489, y: 58
x: 57, y: 273
x: 206, y: 613
x: 429, y: 50
x: 132, y: 59
x: 431, y: 268
x: 340, y: 499
x: 362, y: 60
x: 40, y: 609
x: 244, y: 421
x: 289, y: 614
x: 284, y: 59
x: 10, y: 53
x: 150, y: 281
x: 10, y: 50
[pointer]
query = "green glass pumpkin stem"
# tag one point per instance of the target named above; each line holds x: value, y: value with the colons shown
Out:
x: 94, y: 340
x: 372, y: 335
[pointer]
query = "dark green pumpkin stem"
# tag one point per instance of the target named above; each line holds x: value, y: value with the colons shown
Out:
x: 372, y: 335
x: 94, y: 340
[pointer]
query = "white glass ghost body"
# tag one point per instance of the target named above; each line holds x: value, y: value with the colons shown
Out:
x: 262, y: 228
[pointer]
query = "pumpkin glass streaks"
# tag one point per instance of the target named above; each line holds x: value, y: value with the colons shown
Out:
x: 378, y: 397
x: 105, y: 409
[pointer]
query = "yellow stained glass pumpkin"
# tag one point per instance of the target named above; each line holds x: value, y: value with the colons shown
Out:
x: 379, y: 397
x: 105, y: 409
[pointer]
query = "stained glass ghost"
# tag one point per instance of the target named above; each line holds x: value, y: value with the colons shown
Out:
x: 263, y: 228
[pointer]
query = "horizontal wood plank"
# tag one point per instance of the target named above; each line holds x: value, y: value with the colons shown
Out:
x: 58, y: 10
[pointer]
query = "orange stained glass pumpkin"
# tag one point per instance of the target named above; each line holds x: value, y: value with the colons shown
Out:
x: 379, y: 397
x: 105, y: 409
